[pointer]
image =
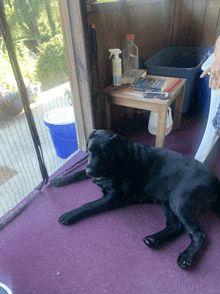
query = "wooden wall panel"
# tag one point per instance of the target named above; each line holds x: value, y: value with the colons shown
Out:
x: 187, y: 23
x: 168, y: 23
x: 108, y: 37
x: 217, y: 32
x: 210, y: 23
x: 183, y: 22
x: 151, y: 24
x: 197, y: 23
x: 175, y: 22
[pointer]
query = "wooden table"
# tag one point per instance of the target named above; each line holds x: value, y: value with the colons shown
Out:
x: 117, y: 95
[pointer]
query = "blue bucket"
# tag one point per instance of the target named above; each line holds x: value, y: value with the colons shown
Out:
x: 62, y: 127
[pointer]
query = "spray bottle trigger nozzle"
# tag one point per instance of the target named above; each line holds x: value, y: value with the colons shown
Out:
x: 115, y: 52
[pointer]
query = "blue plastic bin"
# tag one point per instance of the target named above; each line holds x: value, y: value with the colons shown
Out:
x: 61, y: 124
x: 204, y: 90
x: 180, y: 62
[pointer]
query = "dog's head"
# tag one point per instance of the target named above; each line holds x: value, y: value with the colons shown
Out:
x: 107, y: 152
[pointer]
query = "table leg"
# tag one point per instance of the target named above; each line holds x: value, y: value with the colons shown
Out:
x: 178, y: 109
x: 161, y: 126
x: 108, y: 114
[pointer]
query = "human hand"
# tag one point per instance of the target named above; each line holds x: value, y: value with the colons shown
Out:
x: 214, y: 69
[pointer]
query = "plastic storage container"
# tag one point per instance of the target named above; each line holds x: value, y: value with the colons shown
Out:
x: 180, y: 62
x: 204, y: 90
x: 152, y: 124
x: 61, y: 123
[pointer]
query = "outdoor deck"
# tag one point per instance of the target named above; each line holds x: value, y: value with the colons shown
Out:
x: 18, y: 161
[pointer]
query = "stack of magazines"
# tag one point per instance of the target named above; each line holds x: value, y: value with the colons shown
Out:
x: 149, y: 84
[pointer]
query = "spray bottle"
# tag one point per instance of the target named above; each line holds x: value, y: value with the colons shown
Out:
x: 116, y: 66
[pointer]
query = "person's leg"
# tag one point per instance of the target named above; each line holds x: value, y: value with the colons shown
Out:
x: 210, y: 131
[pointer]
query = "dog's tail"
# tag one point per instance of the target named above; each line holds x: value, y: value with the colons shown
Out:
x: 216, y: 203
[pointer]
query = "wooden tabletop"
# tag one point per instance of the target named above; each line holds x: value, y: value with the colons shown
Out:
x: 125, y: 91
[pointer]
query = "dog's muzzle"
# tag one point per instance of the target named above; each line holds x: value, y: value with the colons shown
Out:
x: 96, y: 180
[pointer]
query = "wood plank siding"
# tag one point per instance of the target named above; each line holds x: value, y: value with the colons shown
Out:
x: 181, y: 23
x: 192, y: 23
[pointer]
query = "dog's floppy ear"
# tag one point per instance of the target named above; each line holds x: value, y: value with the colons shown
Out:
x: 121, y: 145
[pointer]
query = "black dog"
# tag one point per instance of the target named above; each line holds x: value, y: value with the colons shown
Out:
x: 132, y: 174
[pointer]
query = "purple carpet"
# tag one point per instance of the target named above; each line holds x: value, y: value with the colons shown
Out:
x: 105, y: 253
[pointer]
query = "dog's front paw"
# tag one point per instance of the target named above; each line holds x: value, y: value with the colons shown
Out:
x: 58, y: 182
x: 68, y: 218
x: 152, y: 242
x: 186, y: 259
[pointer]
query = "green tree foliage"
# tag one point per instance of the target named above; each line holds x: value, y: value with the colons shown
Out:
x: 32, y: 19
x: 35, y: 24
x: 27, y: 65
x: 28, y: 12
x: 52, y: 59
x: 50, y: 17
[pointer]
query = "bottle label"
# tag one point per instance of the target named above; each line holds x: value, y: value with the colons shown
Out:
x: 117, y: 69
x: 117, y: 80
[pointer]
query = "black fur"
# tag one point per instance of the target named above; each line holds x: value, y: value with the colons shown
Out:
x: 133, y: 173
